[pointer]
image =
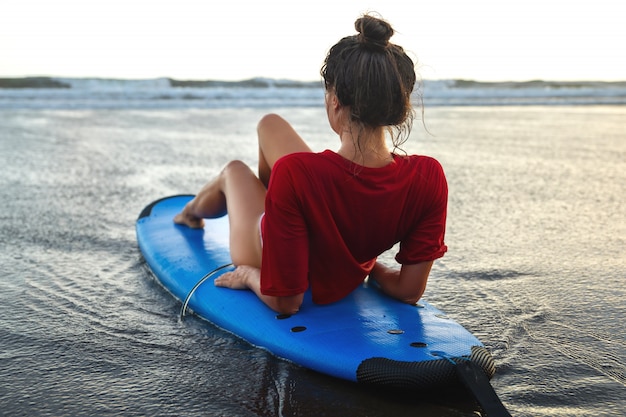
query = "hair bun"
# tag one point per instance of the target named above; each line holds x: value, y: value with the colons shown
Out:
x: 374, y: 33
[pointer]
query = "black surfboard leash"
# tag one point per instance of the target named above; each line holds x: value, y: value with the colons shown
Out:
x: 475, y: 380
x: 471, y: 375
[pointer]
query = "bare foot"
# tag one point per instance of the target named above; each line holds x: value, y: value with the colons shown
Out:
x: 189, y: 221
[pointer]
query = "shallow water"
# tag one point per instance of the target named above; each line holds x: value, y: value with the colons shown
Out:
x: 536, y: 265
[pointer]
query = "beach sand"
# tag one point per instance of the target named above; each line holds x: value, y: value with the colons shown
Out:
x: 535, y: 268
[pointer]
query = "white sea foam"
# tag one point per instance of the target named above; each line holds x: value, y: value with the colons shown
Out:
x: 98, y: 93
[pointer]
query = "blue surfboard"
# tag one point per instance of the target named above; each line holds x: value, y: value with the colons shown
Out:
x: 366, y: 337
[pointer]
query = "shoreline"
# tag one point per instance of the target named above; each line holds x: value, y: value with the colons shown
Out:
x: 262, y: 82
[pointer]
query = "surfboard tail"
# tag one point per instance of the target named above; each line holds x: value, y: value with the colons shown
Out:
x: 424, y: 375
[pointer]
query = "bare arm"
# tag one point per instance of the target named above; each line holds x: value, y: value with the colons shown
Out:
x: 249, y: 278
x: 406, y: 284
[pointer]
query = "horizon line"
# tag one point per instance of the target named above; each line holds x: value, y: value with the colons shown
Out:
x: 296, y: 80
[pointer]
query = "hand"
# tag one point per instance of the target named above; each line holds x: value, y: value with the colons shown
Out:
x: 248, y: 277
x: 239, y: 279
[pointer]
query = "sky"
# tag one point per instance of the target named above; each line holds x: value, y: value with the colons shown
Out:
x: 486, y: 40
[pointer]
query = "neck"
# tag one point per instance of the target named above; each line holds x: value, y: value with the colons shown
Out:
x: 365, y: 146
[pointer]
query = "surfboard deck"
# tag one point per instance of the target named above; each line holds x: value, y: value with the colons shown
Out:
x: 366, y: 337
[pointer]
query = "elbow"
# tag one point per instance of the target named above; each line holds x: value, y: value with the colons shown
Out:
x: 289, y: 311
x: 411, y: 300
x: 407, y: 297
x: 287, y: 305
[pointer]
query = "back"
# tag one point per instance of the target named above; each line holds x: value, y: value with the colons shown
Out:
x: 332, y: 218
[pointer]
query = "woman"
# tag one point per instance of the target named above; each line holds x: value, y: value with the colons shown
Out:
x: 320, y: 220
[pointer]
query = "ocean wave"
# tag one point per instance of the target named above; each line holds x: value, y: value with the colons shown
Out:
x: 52, y: 92
x: 537, y: 92
x: 112, y: 83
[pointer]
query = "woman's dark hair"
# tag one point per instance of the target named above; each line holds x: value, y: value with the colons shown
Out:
x: 372, y: 76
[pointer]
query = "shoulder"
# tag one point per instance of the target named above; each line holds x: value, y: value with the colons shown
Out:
x: 304, y: 161
x: 294, y: 171
x: 294, y: 158
x: 421, y: 164
x: 426, y: 176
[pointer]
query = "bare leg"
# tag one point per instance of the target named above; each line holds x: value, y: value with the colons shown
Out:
x: 276, y: 139
x: 209, y: 202
x: 237, y: 188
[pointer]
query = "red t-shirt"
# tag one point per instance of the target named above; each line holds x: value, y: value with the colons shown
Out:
x: 327, y: 219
